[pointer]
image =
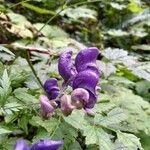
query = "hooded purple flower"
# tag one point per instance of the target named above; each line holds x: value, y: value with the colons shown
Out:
x: 46, y: 145
x: 21, y: 145
x: 86, y: 59
x: 51, y: 88
x: 40, y: 145
x: 86, y: 74
x: 47, y: 109
x: 65, y: 67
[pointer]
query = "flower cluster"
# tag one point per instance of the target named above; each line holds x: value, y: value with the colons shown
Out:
x: 82, y: 75
x: 39, y: 145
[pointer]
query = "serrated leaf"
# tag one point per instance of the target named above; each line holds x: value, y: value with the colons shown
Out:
x: 141, y: 73
x: 104, y: 142
x: 5, y: 81
x: 76, y: 119
x: 97, y: 136
x: 4, y: 86
x: 134, y: 18
x: 115, y: 116
x: 48, y: 125
x: 129, y: 140
x: 23, y: 95
x: 9, y: 108
x: 107, y: 68
x: 115, y: 54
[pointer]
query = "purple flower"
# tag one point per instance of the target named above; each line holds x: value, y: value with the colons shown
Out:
x: 65, y: 66
x: 79, y: 97
x: 84, y: 74
x: 51, y: 88
x: 86, y: 59
x: 47, y: 109
x: 21, y: 145
x: 39, y: 145
x: 66, y: 106
x: 46, y: 145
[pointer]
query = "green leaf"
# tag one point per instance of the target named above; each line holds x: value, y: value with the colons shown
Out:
x: 143, y: 88
x: 23, y: 122
x: 129, y: 140
x: 76, y: 119
x: 22, y: 95
x: 2, y: 48
x: 118, y: 6
x: 4, y: 131
x: 115, y: 54
x: 48, y: 125
x: 137, y: 17
x: 20, y: 26
x: 51, y: 31
x: 97, y: 136
x: 115, y: 116
x: 105, y: 142
x: 107, y: 68
x: 80, y: 12
x: 117, y: 33
x: 9, y: 108
x: 4, y: 86
x: 134, y: 7
x: 143, y: 47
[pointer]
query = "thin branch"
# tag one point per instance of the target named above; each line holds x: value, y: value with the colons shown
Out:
x: 14, y: 5
x: 33, y: 70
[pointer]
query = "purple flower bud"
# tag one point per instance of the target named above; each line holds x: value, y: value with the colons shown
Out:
x: 46, y: 145
x: 51, y: 88
x: 66, y: 105
x: 65, y: 66
x: 47, y: 109
x: 80, y: 97
x: 21, y: 145
x: 86, y: 59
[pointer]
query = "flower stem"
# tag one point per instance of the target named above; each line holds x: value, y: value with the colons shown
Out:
x: 33, y: 70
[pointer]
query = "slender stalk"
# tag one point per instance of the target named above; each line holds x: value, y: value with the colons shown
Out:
x: 53, y: 17
x: 33, y: 70
x: 14, y: 5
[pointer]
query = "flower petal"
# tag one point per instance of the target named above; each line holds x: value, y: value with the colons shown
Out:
x: 46, y: 145
x: 66, y: 105
x: 65, y: 66
x: 92, y: 101
x: 87, y: 80
x: 79, y: 97
x: 47, y: 109
x: 21, y: 145
x: 51, y: 88
x: 86, y: 58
